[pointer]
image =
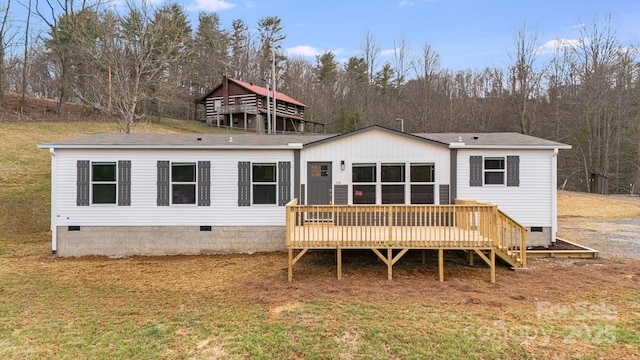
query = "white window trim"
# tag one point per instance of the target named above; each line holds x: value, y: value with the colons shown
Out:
x: 503, y: 170
x: 410, y: 183
x: 92, y: 182
x: 383, y: 183
x: 194, y: 183
x: 275, y: 183
x: 407, y: 177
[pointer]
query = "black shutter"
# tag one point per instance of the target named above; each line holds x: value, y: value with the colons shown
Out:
x: 163, y: 183
x: 341, y: 194
x: 244, y: 183
x: 204, y: 183
x: 284, y: 183
x: 444, y: 195
x: 513, y: 170
x: 83, y: 182
x: 475, y: 171
x: 124, y: 183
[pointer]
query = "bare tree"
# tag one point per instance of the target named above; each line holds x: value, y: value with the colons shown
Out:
x: 131, y: 55
x: 23, y: 85
x: 425, y: 68
x: 524, y: 80
x: 593, y: 59
x: 5, y: 38
x: 62, y: 19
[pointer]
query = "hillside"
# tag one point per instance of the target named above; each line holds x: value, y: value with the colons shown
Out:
x: 241, y: 306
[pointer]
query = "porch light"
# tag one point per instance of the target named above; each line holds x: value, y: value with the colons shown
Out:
x: 342, y: 165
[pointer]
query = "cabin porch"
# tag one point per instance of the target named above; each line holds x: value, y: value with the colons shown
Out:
x: 390, y: 231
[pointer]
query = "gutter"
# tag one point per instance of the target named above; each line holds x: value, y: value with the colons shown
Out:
x: 54, y: 196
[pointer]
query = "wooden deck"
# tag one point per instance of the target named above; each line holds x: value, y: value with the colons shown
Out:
x: 480, y: 229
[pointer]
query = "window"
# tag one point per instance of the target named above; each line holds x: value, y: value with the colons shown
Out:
x: 393, y: 183
x: 364, y: 179
x: 494, y: 170
x: 263, y: 177
x: 392, y: 193
x: 183, y: 183
x: 422, y: 177
x: 263, y: 183
x: 103, y: 183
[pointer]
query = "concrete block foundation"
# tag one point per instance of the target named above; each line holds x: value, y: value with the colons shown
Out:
x: 167, y: 240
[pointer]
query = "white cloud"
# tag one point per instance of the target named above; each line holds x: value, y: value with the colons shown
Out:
x: 303, y: 50
x: 212, y: 5
x: 405, y: 3
x: 551, y: 46
x: 387, y: 52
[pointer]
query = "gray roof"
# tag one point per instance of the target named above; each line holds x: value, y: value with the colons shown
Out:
x: 259, y: 141
x: 487, y: 140
x: 148, y: 140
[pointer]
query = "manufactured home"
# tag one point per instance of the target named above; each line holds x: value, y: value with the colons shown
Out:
x: 158, y: 194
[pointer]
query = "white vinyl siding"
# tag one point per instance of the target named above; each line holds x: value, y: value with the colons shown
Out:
x: 377, y: 147
x: 529, y: 203
x: 223, y: 211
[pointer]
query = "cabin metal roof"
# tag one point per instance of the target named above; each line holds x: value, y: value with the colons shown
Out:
x: 258, y: 90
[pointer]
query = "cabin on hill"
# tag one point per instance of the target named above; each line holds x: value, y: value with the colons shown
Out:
x: 249, y: 107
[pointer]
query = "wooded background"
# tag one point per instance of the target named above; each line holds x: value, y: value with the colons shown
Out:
x: 138, y: 60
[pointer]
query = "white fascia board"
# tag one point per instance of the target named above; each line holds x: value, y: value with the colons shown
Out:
x: 510, y: 147
x: 170, y: 147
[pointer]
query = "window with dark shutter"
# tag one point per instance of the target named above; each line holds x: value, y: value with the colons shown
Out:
x: 513, y: 170
x: 204, y: 183
x: 163, y: 183
x: 475, y: 171
x: 284, y: 183
x: 124, y: 183
x: 83, y: 182
x: 244, y: 183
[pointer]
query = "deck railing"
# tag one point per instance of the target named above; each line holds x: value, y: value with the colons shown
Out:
x: 466, y: 225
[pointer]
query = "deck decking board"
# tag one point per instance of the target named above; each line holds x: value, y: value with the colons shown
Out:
x: 469, y: 226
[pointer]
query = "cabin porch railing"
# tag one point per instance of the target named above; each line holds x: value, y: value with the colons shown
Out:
x: 467, y: 225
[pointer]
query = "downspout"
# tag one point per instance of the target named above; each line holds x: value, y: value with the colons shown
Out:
x: 554, y: 196
x: 54, y: 196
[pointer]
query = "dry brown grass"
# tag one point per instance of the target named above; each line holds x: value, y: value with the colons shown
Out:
x: 594, y: 206
x: 241, y: 306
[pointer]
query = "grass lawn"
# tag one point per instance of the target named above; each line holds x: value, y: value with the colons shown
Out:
x: 241, y: 306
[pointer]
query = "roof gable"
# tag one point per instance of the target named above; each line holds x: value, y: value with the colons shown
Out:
x: 378, y: 128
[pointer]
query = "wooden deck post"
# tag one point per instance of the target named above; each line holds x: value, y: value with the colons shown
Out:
x: 339, y: 263
x: 389, y: 264
x: 290, y: 265
x: 493, y: 265
x: 441, y: 264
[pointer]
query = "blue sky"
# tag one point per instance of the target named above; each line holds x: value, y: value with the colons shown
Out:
x: 466, y: 33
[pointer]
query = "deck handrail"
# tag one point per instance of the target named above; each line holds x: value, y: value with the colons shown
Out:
x: 464, y: 225
x: 512, y: 238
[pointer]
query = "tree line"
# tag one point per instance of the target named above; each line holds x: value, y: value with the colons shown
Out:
x: 138, y: 60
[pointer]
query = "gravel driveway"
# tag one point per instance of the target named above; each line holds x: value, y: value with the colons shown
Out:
x: 612, y: 238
